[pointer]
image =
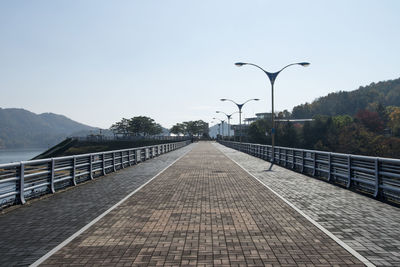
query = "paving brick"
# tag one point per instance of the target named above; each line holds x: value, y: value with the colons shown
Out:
x: 30, y: 231
x: 370, y: 227
x: 205, y: 210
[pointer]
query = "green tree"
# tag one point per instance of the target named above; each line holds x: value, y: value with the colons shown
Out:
x: 136, y: 126
x: 178, y: 129
x: 121, y: 127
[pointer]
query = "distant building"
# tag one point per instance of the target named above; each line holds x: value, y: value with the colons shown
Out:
x: 264, y: 115
x: 249, y: 120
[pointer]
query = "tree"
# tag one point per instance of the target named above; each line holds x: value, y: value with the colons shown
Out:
x: 178, y: 129
x: 136, y: 126
x: 371, y: 120
x: 121, y: 127
x: 394, y: 120
x: 192, y: 128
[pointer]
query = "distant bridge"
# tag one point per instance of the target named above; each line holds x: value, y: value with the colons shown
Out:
x: 207, y: 204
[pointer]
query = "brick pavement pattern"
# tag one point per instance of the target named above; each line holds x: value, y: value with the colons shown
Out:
x: 370, y: 227
x: 204, y: 210
x: 30, y: 231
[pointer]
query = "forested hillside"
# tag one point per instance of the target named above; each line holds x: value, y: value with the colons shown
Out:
x: 386, y: 93
x: 365, y: 121
x: 22, y: 128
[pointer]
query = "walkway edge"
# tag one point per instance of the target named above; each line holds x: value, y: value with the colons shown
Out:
x: 95, y: 220
x: 337, y: 240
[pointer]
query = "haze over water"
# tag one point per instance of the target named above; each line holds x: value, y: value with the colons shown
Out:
x: 16, y: 155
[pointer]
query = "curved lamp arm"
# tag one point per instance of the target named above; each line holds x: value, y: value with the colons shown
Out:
x: 272, y: 75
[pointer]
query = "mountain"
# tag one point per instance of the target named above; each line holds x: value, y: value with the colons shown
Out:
x: 21, y: 128
x: 386, y: 93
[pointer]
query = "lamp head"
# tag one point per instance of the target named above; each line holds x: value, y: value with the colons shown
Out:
x: 239, y: 64
x: 217, y: 112
x: 256, y: 99
x: 223, y: 99
x: 304, y: 64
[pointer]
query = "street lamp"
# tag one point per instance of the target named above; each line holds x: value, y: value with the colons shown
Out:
x: 272, y: 76
x: 240, y: 112
x: 228, y: 116
x: 222, y: 122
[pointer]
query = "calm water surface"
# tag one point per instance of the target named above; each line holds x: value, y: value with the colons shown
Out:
x: 12, y: 155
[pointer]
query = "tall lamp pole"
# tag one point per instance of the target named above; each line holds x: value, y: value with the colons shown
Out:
x: 272, y: 77
x: 240, y: 106
x: 228, y: 116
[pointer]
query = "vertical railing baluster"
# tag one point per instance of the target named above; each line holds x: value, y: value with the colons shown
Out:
x: 52, y: 175
x: 74, y: 171
x: 329, y: 167
x: 104, y: 163
x: 348, y: 171
x: 279, y: 156
x: 113, y: 160
x: 22, y: 183
x: 91, y: 167
x: 314, y: 164
x: 137, y: 156
x: 293, y: 159
x: 377, y: 182
x: 302, y: 161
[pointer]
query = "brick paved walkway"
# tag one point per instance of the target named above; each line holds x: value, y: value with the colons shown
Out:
x: 30, y: 231
x: 370, y: 227
x: 203, y: 210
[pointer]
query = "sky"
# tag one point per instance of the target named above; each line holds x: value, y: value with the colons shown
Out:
x: 172, y: 60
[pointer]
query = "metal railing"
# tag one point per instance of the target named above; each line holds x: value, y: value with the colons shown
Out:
x: 102, y: 138
x: 25, y: 180
x: 378, y: 177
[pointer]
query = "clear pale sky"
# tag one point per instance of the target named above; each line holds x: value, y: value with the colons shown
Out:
x: 98, y: 61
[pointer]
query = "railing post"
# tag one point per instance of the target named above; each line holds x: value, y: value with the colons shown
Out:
x: 91, y: 167
x: 74, y: 171
x: 129, y: 158
x: 53, y: 163
x: 22, y: 183
x: 138, y: 156
x: 279, y: 156
x: 302, y: 161
x: 329, y: 167
x: 348, y: 171
x: 286, y: 157
x: 104, y: 163
x: 113, y: 160
x: 314, y: 163
x: 122, y: 159
x: 293, y: 159
x: 376, y: 193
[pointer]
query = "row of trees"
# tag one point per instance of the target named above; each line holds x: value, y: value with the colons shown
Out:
x: 136, y: 126
x: 197, y: 128
x: 145, y: 126
x: 373, y: 132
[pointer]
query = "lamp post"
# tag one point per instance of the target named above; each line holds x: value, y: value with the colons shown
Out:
x: 222, y: 124
x: 228, y: 116
x: 272, y: 77
x: 240, y: 106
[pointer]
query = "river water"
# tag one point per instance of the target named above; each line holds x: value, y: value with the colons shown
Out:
x: 13, y: 155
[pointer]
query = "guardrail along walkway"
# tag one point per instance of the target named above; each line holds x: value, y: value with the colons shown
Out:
x: 203, y: 210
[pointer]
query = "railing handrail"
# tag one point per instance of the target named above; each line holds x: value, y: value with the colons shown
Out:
x: 377, y: 176
x: 319, y: 151
x: 32, y: 178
